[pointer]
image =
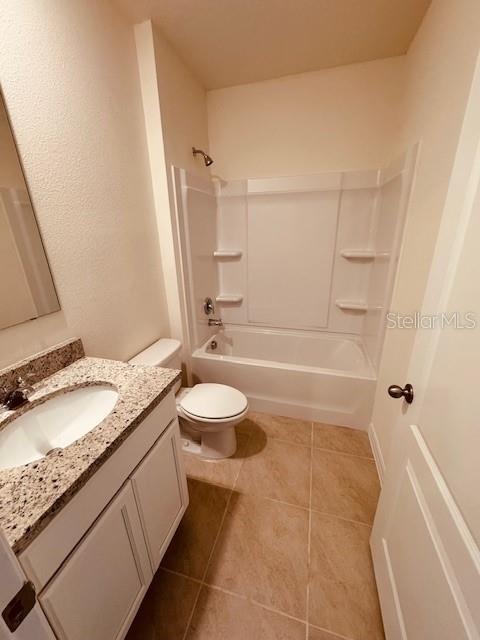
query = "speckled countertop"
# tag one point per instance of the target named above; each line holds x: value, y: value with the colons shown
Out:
x: 32, y: 494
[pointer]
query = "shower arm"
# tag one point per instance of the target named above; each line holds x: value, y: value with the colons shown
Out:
x: 206, y: 158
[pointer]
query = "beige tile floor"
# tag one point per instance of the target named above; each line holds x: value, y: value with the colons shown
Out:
x: 274, y: 544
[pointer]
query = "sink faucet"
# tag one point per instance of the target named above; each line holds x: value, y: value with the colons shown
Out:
x: 16, y: 397
x: 215, y: 322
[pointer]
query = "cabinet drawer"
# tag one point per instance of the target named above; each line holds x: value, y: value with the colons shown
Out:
x: 97, y: 592
x: 161, y: 492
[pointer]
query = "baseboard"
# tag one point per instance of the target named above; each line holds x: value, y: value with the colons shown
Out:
x: 377, y: 451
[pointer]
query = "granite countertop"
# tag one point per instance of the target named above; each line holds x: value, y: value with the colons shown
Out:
x: 32, y: 494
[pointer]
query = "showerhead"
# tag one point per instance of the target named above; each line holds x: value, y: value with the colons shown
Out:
x: 206, y: 158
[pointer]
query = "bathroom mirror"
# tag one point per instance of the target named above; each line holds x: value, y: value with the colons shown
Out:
x: 26, y: 285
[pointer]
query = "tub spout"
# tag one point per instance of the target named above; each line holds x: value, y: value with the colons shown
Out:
x: 215, y: 322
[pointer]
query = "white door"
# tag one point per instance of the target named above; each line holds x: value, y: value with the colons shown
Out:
x: 34, y: 625
x: 426, y: 535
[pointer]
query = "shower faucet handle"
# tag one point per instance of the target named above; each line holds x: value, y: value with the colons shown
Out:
x: 208, y: 306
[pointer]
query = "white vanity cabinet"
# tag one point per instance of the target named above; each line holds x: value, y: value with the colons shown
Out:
x: 160, y: 510
x: 93, y: 591
x: 97, y: 592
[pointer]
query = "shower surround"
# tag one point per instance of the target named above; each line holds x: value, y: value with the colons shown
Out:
x: 301, y: 270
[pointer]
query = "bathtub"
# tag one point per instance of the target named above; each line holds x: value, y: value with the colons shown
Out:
x: 312, y: 376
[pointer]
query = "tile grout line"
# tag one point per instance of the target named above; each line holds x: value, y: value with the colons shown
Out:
x: 277, y: 611
x: 180, y: 574
x: 295, y: 444
x: 233, y: 593
x: 344, y: 453
x: 202, y: 582
x: 287, y: 504
x: 217, y: 485
x: 309, y: 540
x: 214, y: 587
x: 262, y: 497
x: 337, y: 517
x: 255, y: 602
x: 334, y: 634
x: 311, y: 445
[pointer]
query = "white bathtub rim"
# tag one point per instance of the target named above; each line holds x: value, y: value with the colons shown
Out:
x: 367, y: 371
x: 274, y: 364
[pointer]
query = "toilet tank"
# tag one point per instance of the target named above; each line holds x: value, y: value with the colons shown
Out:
x: 162, y: 353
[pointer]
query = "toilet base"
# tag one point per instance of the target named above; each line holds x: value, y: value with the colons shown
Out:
x: 211, y: 445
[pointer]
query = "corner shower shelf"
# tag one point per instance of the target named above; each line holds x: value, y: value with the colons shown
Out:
x: 358, y: 254
x: 227, y: 254
x: 230, y: 298
x: 351, y: 305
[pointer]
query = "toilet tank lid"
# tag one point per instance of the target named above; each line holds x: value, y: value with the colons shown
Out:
x: 158, y: 353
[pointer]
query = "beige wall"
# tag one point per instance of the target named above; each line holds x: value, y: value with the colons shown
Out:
x: 183, y: 103
x: 69, y: 75
x: 439, y: 71
x: 336, y: 119
x: 175, y: 112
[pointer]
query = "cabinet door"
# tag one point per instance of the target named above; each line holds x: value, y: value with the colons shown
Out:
x: 161, y: 493
x: 97, y: 592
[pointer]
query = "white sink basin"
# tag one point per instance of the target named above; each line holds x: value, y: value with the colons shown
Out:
x: 54, y: 424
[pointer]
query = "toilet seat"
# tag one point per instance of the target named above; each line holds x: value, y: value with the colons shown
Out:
x: 209, y: 402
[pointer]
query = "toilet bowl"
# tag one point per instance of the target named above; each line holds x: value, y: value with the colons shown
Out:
x: 208, y: 412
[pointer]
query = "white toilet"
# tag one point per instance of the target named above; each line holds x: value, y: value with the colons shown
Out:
x: 208, y: 413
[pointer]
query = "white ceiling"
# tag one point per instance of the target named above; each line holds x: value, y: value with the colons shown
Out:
x: 229, y: 42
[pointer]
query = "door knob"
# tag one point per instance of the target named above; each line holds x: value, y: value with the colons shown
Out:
x: 394, y: 391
